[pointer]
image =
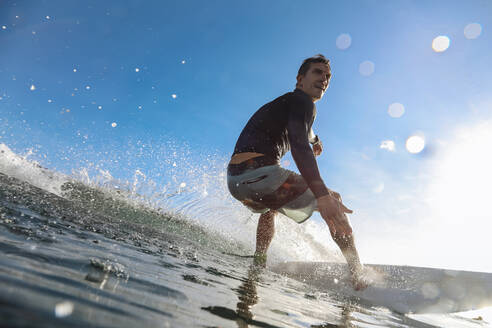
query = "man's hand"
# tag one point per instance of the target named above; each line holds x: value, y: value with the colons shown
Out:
x: 318, y: 148
x: 333, y: 212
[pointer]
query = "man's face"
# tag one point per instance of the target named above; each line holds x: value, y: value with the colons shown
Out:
x: 315, y: 81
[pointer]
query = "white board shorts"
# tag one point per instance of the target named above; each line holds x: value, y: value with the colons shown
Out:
x: 273, y: 188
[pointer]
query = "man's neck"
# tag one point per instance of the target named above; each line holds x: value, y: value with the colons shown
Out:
x: 304, y: 93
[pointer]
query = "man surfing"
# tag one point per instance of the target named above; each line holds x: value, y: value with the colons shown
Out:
x: 255, y: 177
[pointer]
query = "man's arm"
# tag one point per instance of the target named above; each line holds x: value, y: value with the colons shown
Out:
x: 298, y: 129
x: 330, y: 208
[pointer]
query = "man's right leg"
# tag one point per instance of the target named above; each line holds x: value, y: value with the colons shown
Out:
x: 264, y: 235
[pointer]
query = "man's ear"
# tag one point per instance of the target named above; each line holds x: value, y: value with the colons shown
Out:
x: 299, y: 80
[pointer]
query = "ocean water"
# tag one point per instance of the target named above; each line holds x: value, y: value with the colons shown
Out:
x: 75, y: 254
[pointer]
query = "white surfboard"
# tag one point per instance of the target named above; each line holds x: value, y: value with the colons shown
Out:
x: 403, y: 289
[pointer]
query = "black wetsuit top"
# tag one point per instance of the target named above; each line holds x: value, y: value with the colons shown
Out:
x: 280, y: 126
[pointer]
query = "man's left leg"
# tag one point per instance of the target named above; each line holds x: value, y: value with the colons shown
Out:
x: 349, y: 251
x: 264, y: 235
x: 346, y: 244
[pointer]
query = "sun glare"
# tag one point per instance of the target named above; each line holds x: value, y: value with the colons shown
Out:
x: 466, y: 166
x: 459, y: 195
x: 415, y: 144
x: 440, y: 43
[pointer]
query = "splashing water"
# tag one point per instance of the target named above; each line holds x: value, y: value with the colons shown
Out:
x: 181, y: 183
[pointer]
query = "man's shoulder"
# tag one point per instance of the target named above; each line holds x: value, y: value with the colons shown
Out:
x: 282, y: 100
x: 297, y: 97
x: 299, y: 100
x: 296, y: 100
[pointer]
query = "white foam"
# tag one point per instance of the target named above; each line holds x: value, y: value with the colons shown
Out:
x: 29, y: 171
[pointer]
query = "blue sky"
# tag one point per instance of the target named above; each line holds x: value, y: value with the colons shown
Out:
x: 68, y: 70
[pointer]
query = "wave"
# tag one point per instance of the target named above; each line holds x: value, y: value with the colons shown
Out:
x: 191, y: 203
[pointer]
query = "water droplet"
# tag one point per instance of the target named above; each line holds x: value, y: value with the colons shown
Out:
x: 63, y: 309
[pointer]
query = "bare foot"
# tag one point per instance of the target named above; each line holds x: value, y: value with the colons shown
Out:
x: 359, y: 283
x: 360, y: 280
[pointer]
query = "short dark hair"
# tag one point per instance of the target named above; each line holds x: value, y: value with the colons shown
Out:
x: 319, y: 58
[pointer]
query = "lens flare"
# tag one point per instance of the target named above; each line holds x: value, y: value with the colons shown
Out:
x: 366, y: 68
x: 472, y: 30
x: 344, y: 41
x: 396, y: 110
x: 415, y: 144
x: 379, y: 188
x: 389, y: 145
x: 440, y: 43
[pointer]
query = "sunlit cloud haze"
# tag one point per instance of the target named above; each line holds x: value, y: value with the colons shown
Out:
x: 438, y: 217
